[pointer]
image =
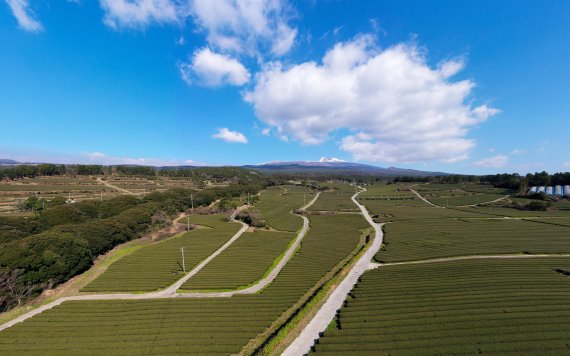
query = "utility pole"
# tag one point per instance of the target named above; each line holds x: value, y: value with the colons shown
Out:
x: 192, y: 202
x: 101, y: 196
x: 187, y: 223
x: 247, y: 198
x: 304, y: 203
x: 183, y: 263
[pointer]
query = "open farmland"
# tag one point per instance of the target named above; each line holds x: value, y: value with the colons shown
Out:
x: 499, y: 306
x: 460, y: 194
x: 433, y: 238
x: 336, y: 198
x: 191, y: 326
x: 78, y: 188
x: 159, y: 265
x: 276, y: 204
x: 243, y: 263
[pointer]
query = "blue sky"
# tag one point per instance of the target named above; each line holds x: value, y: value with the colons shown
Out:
x: 468, y: 87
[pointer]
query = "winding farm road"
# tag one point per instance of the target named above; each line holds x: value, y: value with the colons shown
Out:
x: 424, y: 199
x: 122, y: 190
x: 466, y: 258
x: 459, y: 206
x: 172, y: 290
x: 326, y: 314
x: 487, y: 202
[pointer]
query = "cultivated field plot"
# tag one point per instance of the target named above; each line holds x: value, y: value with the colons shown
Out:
x: 498, y: 210
x: 387, y: 191
x: 338, y: 198
x: 159, y: 265
x: 433, y: 238
x: 189, y: 326
x: 460, y: 194
x: 469, y: 307
x: 394, y: 210
x: 243, y: 263
x: 276, y: 204
x: 79, y: 189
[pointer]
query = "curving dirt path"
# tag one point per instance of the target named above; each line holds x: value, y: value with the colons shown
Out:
x: 459, y: 206
x: 326, y: 314
x: 487, y: 202
x: 465, y: 258
x: 122, y: 190
x: 171, y: 291
x: 424, y: 199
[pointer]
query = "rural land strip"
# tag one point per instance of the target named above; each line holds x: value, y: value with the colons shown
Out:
x: 172, y: 290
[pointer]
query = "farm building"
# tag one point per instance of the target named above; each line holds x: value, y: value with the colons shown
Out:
x: 556, y: 190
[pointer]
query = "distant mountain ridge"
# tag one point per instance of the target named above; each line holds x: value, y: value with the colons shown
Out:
x: 8, y: 161
x: 333, y: 165
x: 323, y: 166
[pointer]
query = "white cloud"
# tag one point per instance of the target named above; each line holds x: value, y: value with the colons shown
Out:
x: 138, y: 13
x: 230, y: 136
x: 493, y: 162
x: 566, y: 165
x: 25, y: 16
x: 517, y: 152
x: 101, y: 158
x: 245, y: 26
x: 266, y: 131
x: 330, y: 160
x: 397, y: 108
x: 213, y: 69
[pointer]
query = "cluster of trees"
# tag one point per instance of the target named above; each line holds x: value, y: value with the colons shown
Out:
x: 252, y: 217
x: 48, y: 169
x: 62, y: 241
x: 512, y: 181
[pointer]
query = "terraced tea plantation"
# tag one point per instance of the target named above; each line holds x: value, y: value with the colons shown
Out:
x: 450, y: 195
x: 470, y: 307
x: 336, y: 198
x: 431, y: 238
x: 276, y: 204
x: 497, y: 305
x: 189, y: 326
x: 159, y: 265
x: 243, y: 263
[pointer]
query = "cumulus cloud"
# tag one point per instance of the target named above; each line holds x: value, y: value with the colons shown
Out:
x: 139, y: 13
x: 25, y: 16
x: 213, y: 69
x: 245, y: 26
x: 230, y: 136
x: 493, y: 162
x: 396, y: 107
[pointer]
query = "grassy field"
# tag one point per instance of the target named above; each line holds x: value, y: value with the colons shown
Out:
x: 243, y: 263
x: 189, y: 326
x: 337, y: 198
x: 157, y: 266
x: 432, y: 238
x: 470, y: 307
x: 276, y: 204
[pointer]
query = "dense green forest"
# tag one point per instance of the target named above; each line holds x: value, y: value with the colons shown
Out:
x: 61, y: 241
